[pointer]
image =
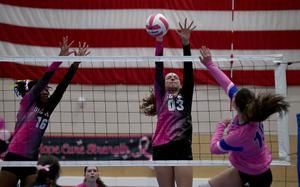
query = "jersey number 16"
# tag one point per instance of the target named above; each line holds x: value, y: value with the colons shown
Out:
x: 41, y: 123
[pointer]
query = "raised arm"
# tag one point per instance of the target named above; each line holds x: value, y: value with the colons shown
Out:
x: 34, y: 93
x: 227, y: 85
x: 62, y: 86
x: 188, y: 76
x: 159, y: 76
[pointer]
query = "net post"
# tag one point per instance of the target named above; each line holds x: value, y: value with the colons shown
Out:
x: 282, y: 120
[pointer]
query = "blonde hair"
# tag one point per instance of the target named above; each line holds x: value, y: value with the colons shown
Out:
x: 148, y: 106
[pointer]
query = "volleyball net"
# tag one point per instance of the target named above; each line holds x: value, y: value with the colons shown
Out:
x: 98, y: 121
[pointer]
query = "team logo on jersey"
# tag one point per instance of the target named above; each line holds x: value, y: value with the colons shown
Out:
x: 41, y: 112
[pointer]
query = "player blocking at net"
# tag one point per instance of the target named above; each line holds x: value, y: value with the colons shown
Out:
x: 172, y: 103
x: 245, y: 141
x: 35, y: 110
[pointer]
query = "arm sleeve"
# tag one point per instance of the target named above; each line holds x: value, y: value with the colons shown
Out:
x: 40, y: 85
x: 227, y: 85
x: 232, y: 142
x: 61, y: 88
x: 188, y: 76
x: 159, y: 86
x: 215, y: 140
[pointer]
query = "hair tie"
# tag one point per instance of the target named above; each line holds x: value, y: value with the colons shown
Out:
x: 26, y: 85
x: 45, y: 167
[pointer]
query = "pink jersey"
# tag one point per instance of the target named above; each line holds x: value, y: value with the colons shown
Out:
x: 81, y: 185
x: 84, y: 185
x: 2, y: 123
x: 33, y: 118
x: 174, y: 120
x: 32, y: 121
x: 245, y: 144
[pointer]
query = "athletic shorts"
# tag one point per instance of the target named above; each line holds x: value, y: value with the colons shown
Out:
x: 20, y: 172
x: 261, y: 180
x: 175, y: 150
x: 3, y: 146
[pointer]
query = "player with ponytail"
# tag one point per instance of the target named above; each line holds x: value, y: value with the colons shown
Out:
x: 48, y: 171
x: 244, y: 142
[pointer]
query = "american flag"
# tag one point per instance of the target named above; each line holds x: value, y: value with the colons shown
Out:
x: 117, y: 28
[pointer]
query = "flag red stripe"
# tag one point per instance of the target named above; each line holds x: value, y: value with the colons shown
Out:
x: 160, y: 4
x: 109, y: 37
x: 123, y: 4
x: 267, y: 5
x: 139, y: 76
x: 288, y: 39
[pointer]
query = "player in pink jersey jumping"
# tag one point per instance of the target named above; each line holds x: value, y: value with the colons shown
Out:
x: 36, y: 106
x: 172, y: 103
x: 244, y: 142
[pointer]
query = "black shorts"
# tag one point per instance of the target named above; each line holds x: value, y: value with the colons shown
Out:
x: 175, y: 150
x: 262, y: 180
x: 3, y: 146
x: 20, y: 172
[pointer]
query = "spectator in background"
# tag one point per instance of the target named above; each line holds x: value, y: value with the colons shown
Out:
x: 91, y: 178
x: 48, y: 171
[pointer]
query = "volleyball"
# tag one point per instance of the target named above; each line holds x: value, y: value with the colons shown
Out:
x: 157, y: 25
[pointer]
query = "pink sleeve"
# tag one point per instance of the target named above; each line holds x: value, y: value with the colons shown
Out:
x: 227, y: 85
x: 2, y: 123
x: 80, y: 185
x: 233, y: 141
x: 215, y: 140
x: 54, y: 66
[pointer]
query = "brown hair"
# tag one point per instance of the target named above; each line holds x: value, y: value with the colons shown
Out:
x: 260, y: 107
x: 48, y: 176
x: 98, y: 180
x: 148, y: 106
x: 21, y: 87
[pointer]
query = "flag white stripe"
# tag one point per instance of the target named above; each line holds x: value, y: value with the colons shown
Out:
x: 9, y: 49
x: 135, y: 18
x: 267, y: 20
x: 108, y: 18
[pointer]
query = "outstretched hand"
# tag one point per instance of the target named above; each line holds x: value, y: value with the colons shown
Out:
x: 65, y: 47
x: 185, y: 32
x: 82, y: 51
x: 205, y: 55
